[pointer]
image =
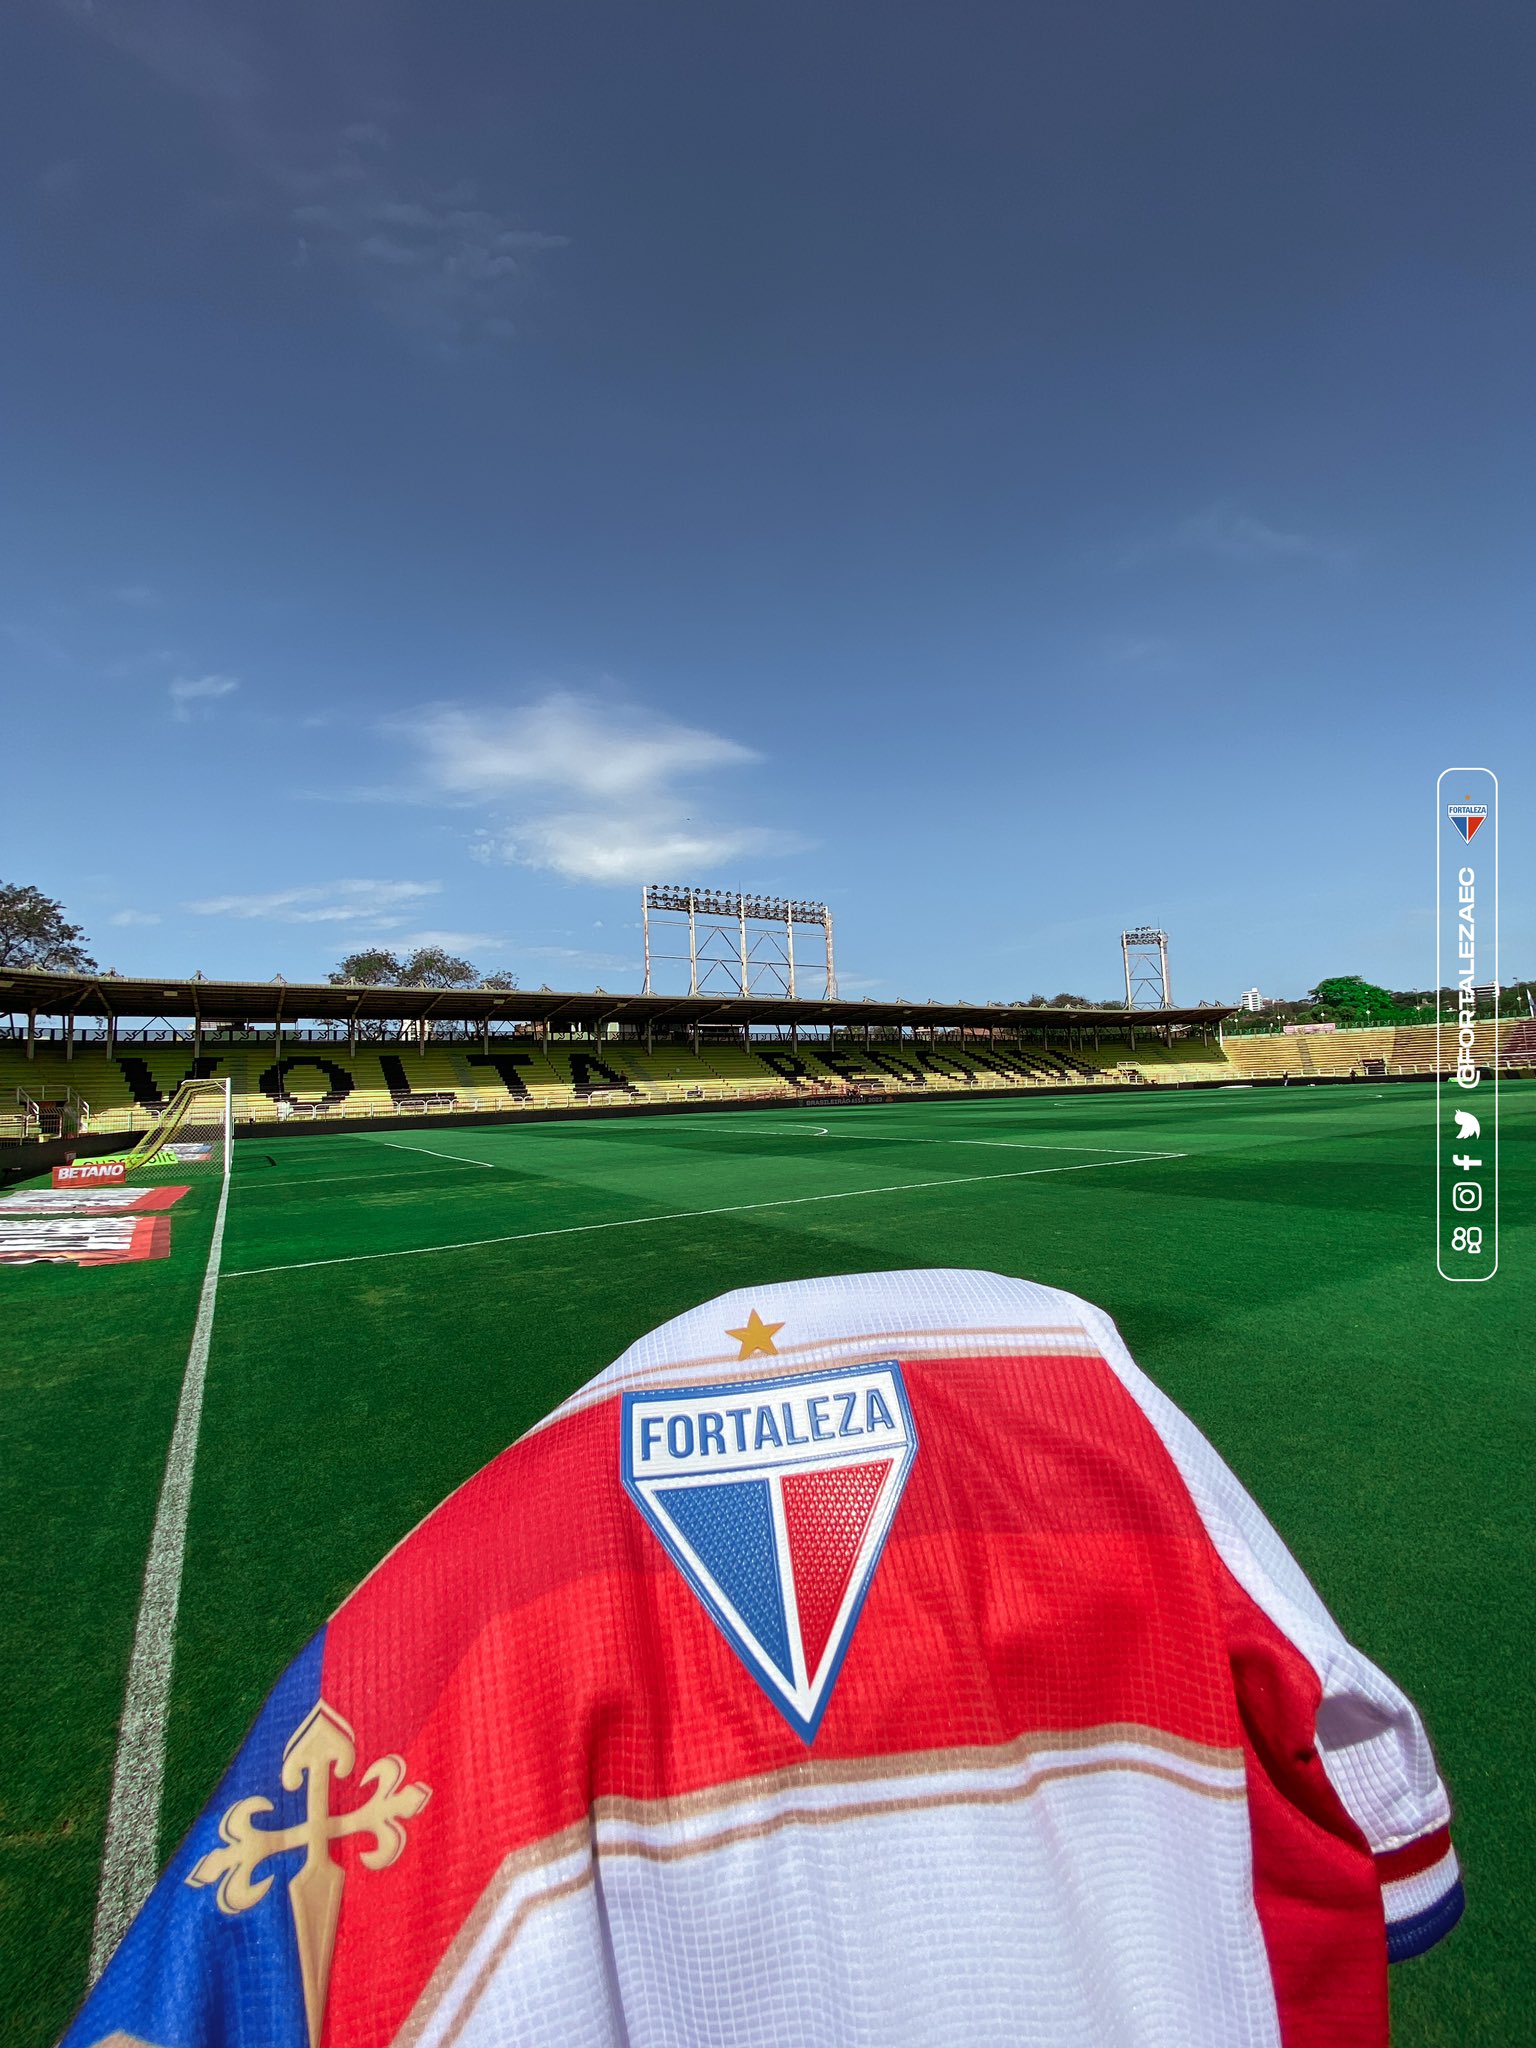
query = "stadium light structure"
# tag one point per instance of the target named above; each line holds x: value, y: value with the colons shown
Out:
x: 741, y: 945
x: 1145, y: 953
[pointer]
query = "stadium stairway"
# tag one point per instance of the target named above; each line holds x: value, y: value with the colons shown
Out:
x: 1403, y: 1048
x: 1151, y: 1061
x: 1263, y: 1058
x: 1314, y: 1055
x: 1344, y: 1052
x: 720, y: 1072
x: 747, y: 1072
x: 1414, y: 1046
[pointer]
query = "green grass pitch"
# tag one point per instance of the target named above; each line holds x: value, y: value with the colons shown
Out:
x: 1276, y: 1277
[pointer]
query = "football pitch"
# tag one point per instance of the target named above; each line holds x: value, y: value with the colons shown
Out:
x: 395, y: 1308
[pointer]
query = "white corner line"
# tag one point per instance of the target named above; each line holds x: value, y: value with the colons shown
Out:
x: 130, y: 1848
x: 469, y: 1244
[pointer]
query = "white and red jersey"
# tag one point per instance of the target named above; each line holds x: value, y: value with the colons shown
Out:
x: 879, y: 1660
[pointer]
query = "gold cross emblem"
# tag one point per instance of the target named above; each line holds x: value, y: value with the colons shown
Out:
x: 322, y: 1746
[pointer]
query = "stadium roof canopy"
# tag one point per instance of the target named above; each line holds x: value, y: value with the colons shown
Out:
x: 292, y: 1002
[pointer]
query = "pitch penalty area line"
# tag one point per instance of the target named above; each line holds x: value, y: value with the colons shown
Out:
x: 399, y: 1145
x: 904, y: 1187
x: 129, y: 1856
x: 986, y: 1144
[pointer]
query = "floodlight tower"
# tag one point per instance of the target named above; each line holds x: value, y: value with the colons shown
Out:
x: 741, y: 945
x: 1145, y: 953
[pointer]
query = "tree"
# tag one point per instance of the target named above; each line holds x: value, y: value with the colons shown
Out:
x: 1350, y: 1000
x: 1066, y: 1002
x: 427, y: 967
x: 431, y: 967
x: 372, y: 968
x: 35, y: 933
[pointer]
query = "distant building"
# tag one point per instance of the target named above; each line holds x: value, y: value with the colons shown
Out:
x: 1250, y: 999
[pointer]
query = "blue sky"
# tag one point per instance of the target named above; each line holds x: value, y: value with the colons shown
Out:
x: 1009, y: 470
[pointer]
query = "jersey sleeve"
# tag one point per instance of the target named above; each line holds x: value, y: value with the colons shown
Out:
x: 1368, y: 1737
x: 193, y: 1971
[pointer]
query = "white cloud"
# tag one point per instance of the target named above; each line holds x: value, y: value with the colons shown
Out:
x: 563, y: 742
x: 1228, y: 535
x: 1241, y: 538
x: 40, y: 645
x: 452, y: 942
x: 1146, y: 651
x: 372, y: 905
x: 644, y: 845
x: 127, y: 665
x: 579, y: 956
x: 437, y: 258
x: 133, y: 917
x: 608, y: 785
x: 180, y: 42
x: 139, y: 597
x: 186, y: 691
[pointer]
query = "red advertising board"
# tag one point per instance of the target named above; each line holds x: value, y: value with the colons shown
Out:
x: 91, y: 1173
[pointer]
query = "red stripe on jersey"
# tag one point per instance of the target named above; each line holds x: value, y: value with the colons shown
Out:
x: 1314, y: 1878
x: 532, y: 1647
x: 1412, y: 1857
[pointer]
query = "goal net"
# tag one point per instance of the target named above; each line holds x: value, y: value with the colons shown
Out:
x: 189, y: 1140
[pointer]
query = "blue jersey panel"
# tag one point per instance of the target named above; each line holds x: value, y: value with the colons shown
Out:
x: 187, y: 1975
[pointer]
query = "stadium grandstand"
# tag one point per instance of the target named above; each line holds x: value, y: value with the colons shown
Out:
x: 103, y: 1054
x: 91, y: 1054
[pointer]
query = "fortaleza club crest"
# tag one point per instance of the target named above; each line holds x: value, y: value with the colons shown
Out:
x: 773, y: 1498
x: 1467, y: 817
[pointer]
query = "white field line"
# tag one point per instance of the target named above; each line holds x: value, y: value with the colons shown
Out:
x: 129, y: 1856
x: 1218, y: 1148
x: 399, y: 1145
x: 364, y: 1179
x: 862, y: 1137
x: 903, y: 1187
x: 1021, y: 1145
x: 991, y: 1144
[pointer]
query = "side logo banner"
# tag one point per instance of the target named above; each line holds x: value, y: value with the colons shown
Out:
x: 69, y: 1201
x: 1467, y: 1033
x: 83, y: 1240
x: 774, y: 1498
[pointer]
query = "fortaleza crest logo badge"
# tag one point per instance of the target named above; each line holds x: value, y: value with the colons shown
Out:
x: 774, y: 1498
x: 1467, y: 817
